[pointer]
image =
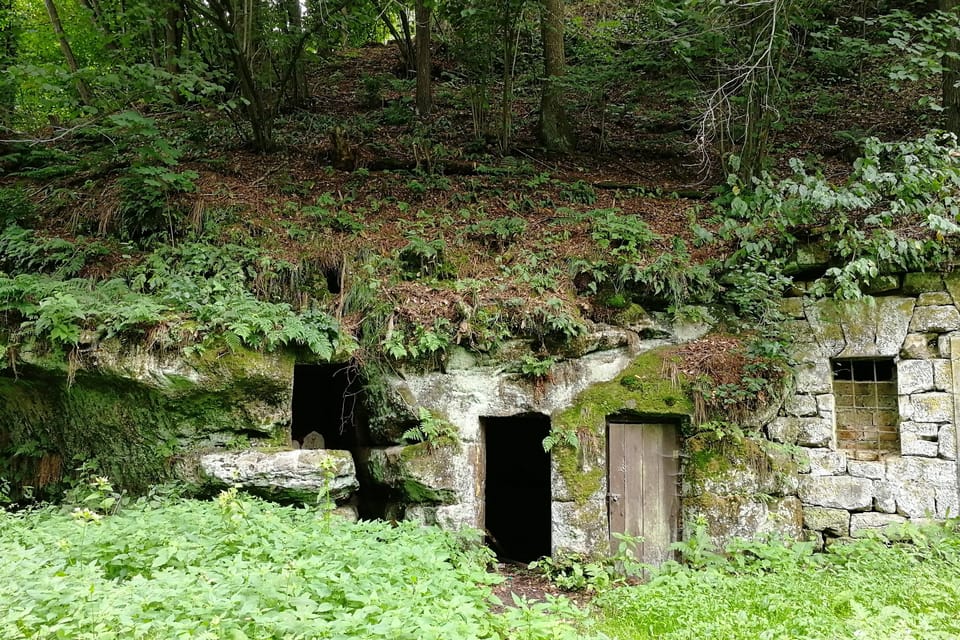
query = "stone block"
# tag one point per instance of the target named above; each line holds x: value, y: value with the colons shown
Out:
x: 826, y: 404
x: 931, y: 471
x: 931, y: 407
x: 837, y: 492
x: 287, y: 476
x: 947, y: 502
x: 833, y: 522
x: 892, y: 319
x: 920, y: 429
x: 800, y: 405
x: 814, y: 377
x: 934, y: 299
x: 792, y: 307
x: 922, y: 346
x: 814, y: 432
x: 883, y: 284
x: 917, y: 283
x: 884, y: 498
x: 943, y: 344
x: 580, y: 528
x: 952, y: 284
x: 915, y: 499
x: 422, y: 472
x: 862, y: 523
x: 784, y: 429
x: 873, y: 469
x: 348, y: 512
x: 942, y: 374
x: 452, y: 517
x: 914, y: 376
x: 913, y: 445
x: 947, y: 441
x: 730, y: 517
x: 936, y: 319
x: 459, y: 358
x: 827, y: 462
x: 825, y: 318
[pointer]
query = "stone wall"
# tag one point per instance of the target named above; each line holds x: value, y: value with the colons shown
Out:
x: 918, y: 328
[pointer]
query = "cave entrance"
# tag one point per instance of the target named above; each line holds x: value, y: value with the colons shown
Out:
x: 326, y: 402
x: 517, y: 496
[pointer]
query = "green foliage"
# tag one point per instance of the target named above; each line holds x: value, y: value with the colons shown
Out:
x: 431, y: 428
x: 562, y: 437
x: 497, y: 233
x: 578, y: 572
x: 894, y: 187
x: 533, y: 367
x: 181, y: 296
x: 239, y: 568
x: 870, y: 588
x: 24, y: 250
x: 14, y: 205
x: 421, y: 258
x: 330, y: 212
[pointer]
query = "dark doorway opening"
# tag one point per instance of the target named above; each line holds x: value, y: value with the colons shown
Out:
x: 333, y: 278
x: 326, y: 401
x: 517, y: 498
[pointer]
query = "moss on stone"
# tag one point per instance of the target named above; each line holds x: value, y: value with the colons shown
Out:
x: 131, y: 430
x: 646, y: 389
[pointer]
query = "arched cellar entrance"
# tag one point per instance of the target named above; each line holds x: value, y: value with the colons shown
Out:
x: 326, y: 402
x: 517, y: 495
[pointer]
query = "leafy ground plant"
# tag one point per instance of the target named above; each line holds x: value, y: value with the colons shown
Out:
x: 871, y: 588
x: 238, y: 568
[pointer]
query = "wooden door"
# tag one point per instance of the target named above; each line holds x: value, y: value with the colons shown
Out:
x: 643, y: 484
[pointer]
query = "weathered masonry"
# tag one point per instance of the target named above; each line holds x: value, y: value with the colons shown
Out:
x: 875, y: 407
x: 862, y: 435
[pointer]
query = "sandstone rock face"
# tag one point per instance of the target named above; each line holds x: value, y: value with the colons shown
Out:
x: 422, y: 473
x: 287, y: 476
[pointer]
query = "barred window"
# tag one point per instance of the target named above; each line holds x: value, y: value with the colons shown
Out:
x: 867, y: 409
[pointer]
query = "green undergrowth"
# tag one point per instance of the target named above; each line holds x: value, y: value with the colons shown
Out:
x: 238, y: 568
x: 177, y: 297
x: 870, y: 588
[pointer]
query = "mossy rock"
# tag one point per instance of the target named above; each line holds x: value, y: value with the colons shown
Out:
x: 421, y: 473
x: 131, y: 430
x: 645, y: 390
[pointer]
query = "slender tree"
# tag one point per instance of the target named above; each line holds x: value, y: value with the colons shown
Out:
x: 951, y: 72
x: 553, y: 129
x: 83, y: 89
x: 8, y: 55
x: 424, y: 70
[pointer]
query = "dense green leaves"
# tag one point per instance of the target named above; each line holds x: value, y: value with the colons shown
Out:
x: 867, y: 589
x: 238, y: 568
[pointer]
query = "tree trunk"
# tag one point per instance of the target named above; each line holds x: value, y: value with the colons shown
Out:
x: 506, y: 96
x: 8, y: 55
x: 424, y: 71
x: 86, y: 96
x: 554, y: 128
x: 951, y: 74
x: 174, y: 18
x: 259, y: 112
x: 295, y: 28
